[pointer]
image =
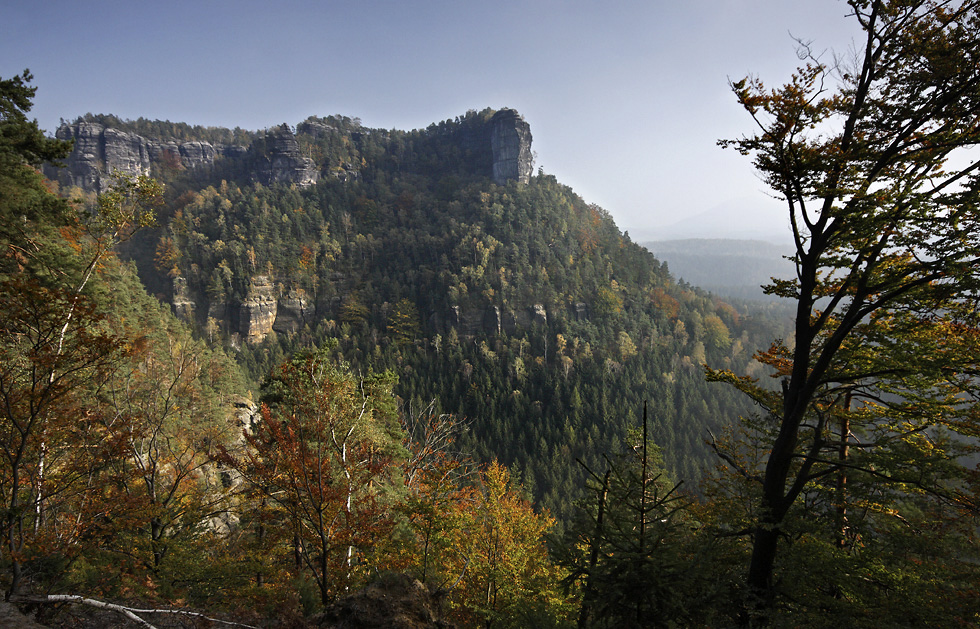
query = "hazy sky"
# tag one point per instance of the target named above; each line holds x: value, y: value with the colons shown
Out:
x: 625, y: 99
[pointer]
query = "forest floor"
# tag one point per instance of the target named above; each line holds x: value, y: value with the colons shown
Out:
x: 10, y: 618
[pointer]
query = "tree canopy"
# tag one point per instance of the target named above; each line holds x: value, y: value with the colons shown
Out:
x: 876, y: 404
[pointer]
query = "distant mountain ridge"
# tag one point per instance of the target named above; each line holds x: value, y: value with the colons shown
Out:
x: 742, y: 218
x: 729, y: 267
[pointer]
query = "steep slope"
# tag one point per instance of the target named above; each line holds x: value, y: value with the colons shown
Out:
x: 499, y: 294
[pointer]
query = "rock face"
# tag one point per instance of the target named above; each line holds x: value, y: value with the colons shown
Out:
x: 11, y: 618
x: 258, y: 310
x: 492, y: 323
x: 282, y: 161
x: 494, y: 320
x: 510, y: 141
x: 539, y: 315
x: 293, y: 311
x: 500, y: 148
x: 86, y: 164
x: 99, y: 151
x: 184, y: 306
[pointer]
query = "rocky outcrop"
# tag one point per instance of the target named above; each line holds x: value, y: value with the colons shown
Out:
x: 194, y: 154
x: 492, y: 322
x: 539, y: 315
x: 183, y: 305
x: 280, y: 160
x: 218, y: 310
x: 258, y: 311
x: 510, y: 141
x: 499, y: 148
x: 99, y: 151
x: 11, y: 618
x: 293, y: 311
x: 86, y: 164
x: 318, y: 130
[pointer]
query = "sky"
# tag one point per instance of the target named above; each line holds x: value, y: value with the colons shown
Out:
x: 626, y: 99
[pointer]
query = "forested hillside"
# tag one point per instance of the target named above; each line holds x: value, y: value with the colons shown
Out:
x: 336, y: 376
x: 520, y: 307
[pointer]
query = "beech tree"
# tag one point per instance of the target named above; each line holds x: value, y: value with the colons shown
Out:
x: 166, y: 406
x: 434, y: 474
x: 877, y: 387
x: 319, y: 455
x: 506, y: 577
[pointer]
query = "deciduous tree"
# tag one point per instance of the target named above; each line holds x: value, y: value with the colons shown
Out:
x: 871, y: 156
x: 320, y: 454
x: 56, y: 341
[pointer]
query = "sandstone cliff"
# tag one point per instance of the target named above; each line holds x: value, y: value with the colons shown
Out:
x: 293, y: 311
x: 499, y: 148
x: 495, y: 320
x: 183, y: 304
x: 278, y: 160
x: 510, y: 141
x: 258, y: 310
x: 99, y: 151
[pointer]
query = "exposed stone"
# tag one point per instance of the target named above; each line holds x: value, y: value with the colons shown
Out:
x: 158, y: 150
x: 11, y: 618
x: 234, y: 152
x: 99, y: 151
x: 500, y: 149
x: 218, y: 310
x: 509, y: 322
x: 183, y: 305
x: 258, y: 310
x: 293, y: 312
x: 125, y: 152
x: 539, y: 314
x: 316, y: 128
x: 281, y: 160
x: 473, y: 321
x: 491, y: 320
x: 86, y: 163
x: 510, y: 141
x: 195, y: 154
x: 581, y: 311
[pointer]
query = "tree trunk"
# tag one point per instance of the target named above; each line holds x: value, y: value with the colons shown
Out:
x: 843, y: 451
x: 775, y: 505
x: 156, y: 535
x: 11, y: 529
x: 589, y: 595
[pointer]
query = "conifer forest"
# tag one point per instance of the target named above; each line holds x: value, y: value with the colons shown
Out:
x: 327, y: 375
